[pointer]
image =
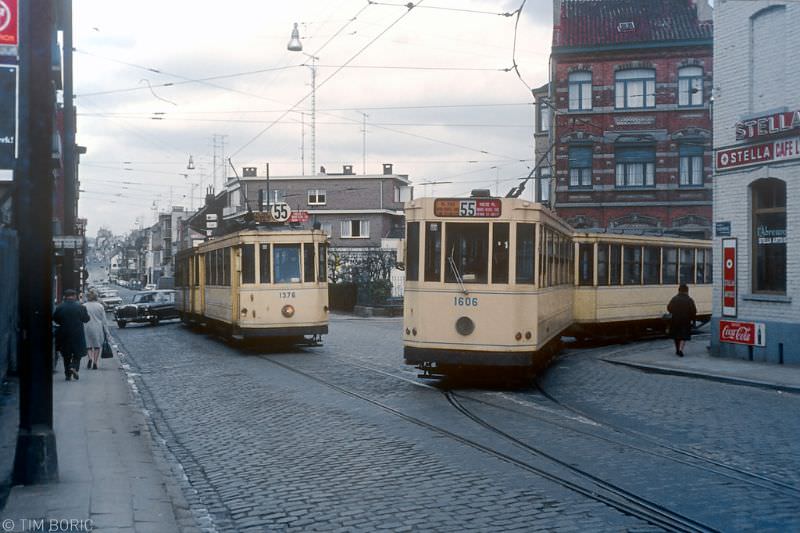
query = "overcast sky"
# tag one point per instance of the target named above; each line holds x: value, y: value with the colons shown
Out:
x: 156, y: 81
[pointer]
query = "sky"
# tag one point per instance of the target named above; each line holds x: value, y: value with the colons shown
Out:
x: 158, y: 82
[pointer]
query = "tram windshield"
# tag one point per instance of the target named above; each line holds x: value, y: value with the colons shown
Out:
x: 468, y: 248
x: 287, y: 263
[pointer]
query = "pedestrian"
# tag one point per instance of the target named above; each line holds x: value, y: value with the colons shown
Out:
x: 683, y: 313
x: 96, y: 329
x: 70, y: 316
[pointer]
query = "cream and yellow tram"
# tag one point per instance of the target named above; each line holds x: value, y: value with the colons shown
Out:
x: 623, y: 282
x: 260, y: 283
x: 489, y: 283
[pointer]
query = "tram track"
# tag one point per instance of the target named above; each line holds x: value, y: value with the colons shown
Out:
x: 587, y: 485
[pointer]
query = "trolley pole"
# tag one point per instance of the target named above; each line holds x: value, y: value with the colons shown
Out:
x: 35, y: 460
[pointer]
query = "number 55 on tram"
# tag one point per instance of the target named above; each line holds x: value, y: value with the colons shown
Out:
x: 489, y: 283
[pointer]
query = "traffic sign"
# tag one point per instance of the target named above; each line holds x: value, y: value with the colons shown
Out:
x: 280, y: 212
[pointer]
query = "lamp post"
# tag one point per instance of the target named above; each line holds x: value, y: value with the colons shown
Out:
x: 296, y: 46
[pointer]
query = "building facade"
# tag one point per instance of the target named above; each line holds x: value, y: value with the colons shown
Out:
x: 630, y: 115
x: 756, y: 184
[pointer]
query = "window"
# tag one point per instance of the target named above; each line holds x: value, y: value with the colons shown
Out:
x: 500, y: 246
x: 544, y: 185
x: 526, y: 240
x: 287, y: 263
x: 226, y: 265
x: 632, y: 265
x: 544, y: 116
x: 412, y: 251
x: 769, y: 236
x: 616, y: 264
x: 308, y: 262
x: 586, y: 264
x: 690, y: 86
x: 580, y: 166
x: 355, y: 229
x: 322, y: 263
x: 652, y: 265
x: 263, y: 263
x: 467, y: 252
x: 278, y: 197
x: 196, y: 262
x: 602, y: 264
x: 248, y: 263
x: 580, y: 91
x: 433, y: 251
x: 700, y: 268
x: 691, y: 165
x: 317, y: 197
x: 687, y: 266
x: 670, y: 261
x: 635, y: 88
x: 326, y: 227
x: 636, y: 166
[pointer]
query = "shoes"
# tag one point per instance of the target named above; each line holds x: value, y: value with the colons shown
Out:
x: 68, y: 377
x: 680, y: 353
x: 75, y: 374
x: 89, y: 363
x: 94, y: 365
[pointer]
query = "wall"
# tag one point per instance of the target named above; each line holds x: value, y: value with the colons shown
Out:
x: 9, y: 283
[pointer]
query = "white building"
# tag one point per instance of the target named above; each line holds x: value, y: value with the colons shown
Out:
x: 757, y: 183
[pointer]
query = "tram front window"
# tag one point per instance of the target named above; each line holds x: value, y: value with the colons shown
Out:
x: 467, y: 253
x: 287, y: 263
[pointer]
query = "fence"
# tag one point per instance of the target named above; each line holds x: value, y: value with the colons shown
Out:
x: 9, y: 283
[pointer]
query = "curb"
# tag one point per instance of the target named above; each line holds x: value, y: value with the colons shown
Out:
x: 699, y: 375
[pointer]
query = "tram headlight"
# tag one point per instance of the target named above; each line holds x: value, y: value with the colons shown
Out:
x: 287, y: 311
x: 518, y: 336
x: 528, y: 335
x: 465, y: 326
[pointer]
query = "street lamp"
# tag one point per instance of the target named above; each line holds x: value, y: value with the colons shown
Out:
x: 296, y: 46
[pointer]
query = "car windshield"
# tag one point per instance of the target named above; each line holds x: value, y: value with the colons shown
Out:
x: 109, y: 294
x: 144, y: 298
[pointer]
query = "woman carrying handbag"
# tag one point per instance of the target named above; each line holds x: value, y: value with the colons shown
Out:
x: 96, y: 329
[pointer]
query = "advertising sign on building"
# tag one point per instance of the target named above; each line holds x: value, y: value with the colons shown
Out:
x: 749, y: 333
x: 299, y: 216
x: 729, y: 277
x: 9, y: 33
x: 8, y: 116
x: 758, y: 154
x: 478, y: 208
x: 768, y: 125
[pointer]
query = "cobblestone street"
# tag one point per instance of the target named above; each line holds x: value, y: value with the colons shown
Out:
x: 346, y: 436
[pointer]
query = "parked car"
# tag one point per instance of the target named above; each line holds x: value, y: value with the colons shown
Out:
x: 150, y: 287
x: 147, y: 306
x: 110, y: 299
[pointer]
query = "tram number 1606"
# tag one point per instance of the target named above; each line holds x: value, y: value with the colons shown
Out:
x: 460, y: 301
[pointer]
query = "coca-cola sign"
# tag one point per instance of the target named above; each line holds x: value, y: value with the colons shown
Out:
x: 749, y: 333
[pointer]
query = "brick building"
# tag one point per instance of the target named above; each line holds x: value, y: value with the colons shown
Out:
x: 756, y: 185
x: 629, y: 105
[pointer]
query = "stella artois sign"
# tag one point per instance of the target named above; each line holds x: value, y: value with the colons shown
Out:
x: 749, y: 333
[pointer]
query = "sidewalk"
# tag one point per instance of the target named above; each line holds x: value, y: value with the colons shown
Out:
x: 659, y: 357
x: 110, y: 479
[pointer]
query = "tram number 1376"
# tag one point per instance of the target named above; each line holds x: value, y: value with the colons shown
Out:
x: 460, y: 301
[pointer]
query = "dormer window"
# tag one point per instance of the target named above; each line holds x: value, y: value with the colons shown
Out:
x: 624, y: 27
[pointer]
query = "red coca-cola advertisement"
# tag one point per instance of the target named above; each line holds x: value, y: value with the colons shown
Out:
x: 729, y: 277
x: 749, y: 333
x: 8, y: 22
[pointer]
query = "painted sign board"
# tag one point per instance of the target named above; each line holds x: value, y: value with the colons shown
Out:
x: 8, y: 116
x: 774, y: 124
x: 758, y: 154
x: 722, y: 229
x: 298, y: 216
x: 729, y: 297
x: 468, y: 208
x: 749, y: 333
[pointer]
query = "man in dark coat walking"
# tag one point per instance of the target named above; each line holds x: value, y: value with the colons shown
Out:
x: 683, y: 313
x: 70, y: 316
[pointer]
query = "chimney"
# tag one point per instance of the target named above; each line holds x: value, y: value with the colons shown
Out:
x: 347, y: 170
x: 249, y: 172
x: 387, y: 169
x: 705, y: 13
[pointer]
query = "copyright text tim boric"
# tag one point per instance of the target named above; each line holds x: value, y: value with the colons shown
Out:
x: 45, y: 524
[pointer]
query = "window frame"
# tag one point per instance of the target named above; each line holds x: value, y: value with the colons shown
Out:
x: 580, y: 86
x: 626, y: 164
x: 690, y: 80
x: 316, y: 194
x: 621, y: 81
x: 774, y: 190
x: 363, y: 224
x: 584, y: 172
x: 694, y: 158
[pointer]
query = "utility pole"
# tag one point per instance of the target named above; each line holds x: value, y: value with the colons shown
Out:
x: 364, y: 144
x: 36, y: 460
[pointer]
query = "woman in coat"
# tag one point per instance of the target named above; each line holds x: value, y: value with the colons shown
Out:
x: 683, y: 313
x: 96, y: 329
x: 70, y: 316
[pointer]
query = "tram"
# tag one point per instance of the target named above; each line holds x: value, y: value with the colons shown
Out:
x: 257, y: 284
x: 496, y: 282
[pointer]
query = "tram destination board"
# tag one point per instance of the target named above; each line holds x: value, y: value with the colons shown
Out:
x: 468, y: 207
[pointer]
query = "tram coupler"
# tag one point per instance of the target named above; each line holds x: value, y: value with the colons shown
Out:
x: 314, y: 340
x: 429, y: 371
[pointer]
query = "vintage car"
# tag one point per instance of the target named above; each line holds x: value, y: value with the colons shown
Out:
x: 110, y: 299
x: 147, y: 306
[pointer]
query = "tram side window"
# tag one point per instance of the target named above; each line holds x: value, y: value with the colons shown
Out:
x: 616, y: 264
x: 687, y: 265
x: 700, y: 271
x: 210, y: 268
x: 633, y: 265
x: 500, y: 252
x: 264, y: 263
x: 196, y: 263
x: 219, y: 262
x: 433, y: 251
x: 412, y: 251
x: 586, y: 264
x: 322, y: 268
x: 652, y: 265
x: 248, y: 263
x: 467, y: 252
x: 602, y: 264
x: 526, y: 244
x: 226, y: 266
x: 670, y: 266
x: 709, y: 266
x: 551, y: 259
x: 287, y: 263
x: 308, y: 262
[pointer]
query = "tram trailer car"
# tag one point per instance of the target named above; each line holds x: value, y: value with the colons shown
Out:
x: 488, y: 284
x: 256, y: 284
x: 495, y: 283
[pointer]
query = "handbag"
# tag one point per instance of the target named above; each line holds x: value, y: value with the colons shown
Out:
x: 106, y: 352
